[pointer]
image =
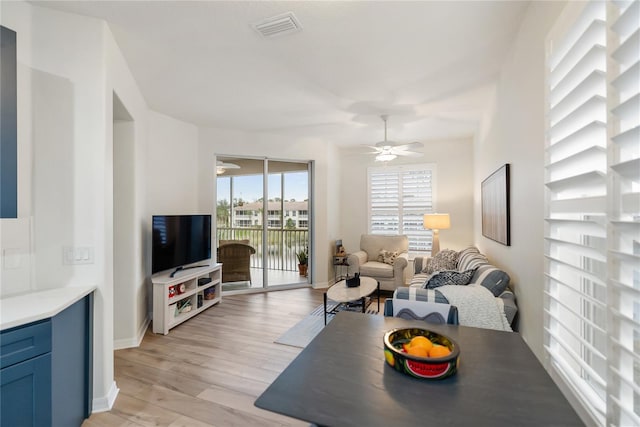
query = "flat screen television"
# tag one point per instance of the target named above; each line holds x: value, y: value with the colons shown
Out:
x: 179, y: 240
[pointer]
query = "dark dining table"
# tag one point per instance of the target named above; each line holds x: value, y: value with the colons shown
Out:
x: 341, y: 379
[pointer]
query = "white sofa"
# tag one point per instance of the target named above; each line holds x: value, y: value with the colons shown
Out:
x: 366, y: 260
x: 486, y: 275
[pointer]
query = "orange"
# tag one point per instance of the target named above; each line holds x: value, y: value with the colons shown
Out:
x: 420, y: 341
x: 439, y: 351
x: 418, y: 351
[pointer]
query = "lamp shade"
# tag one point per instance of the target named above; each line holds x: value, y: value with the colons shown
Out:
x: 436, y: 221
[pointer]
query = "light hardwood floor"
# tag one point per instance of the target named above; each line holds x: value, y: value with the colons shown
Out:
x: 209, y: 370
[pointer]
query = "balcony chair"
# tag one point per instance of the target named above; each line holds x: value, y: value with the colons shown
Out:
x: 235, y: 256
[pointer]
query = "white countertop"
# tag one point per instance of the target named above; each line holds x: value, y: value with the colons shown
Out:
x: 33, y: 306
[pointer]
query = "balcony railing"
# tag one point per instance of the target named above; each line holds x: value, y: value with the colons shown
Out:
x: 282, y: 245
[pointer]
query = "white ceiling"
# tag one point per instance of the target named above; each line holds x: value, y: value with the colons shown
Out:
x: 430, y: 65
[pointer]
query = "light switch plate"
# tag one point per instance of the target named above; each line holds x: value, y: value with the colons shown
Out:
x: 11, y: 258
x: 72, y: 255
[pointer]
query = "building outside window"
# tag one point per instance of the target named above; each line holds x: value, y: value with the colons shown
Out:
x: 298, y: 214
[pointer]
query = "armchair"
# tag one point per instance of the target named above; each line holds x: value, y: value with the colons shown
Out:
x: 365, y: 261
x: 235, y: 257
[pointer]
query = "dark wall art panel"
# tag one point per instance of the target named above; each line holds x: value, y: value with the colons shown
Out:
x: 8, y: 125
x: 495, y: 206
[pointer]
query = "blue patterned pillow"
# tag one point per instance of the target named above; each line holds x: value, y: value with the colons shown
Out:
x: 449, y: 277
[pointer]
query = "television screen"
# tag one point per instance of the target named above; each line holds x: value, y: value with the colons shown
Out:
x: 179, y: 240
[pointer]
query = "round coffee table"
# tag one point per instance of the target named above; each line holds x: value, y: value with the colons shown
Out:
x: 342, y: 294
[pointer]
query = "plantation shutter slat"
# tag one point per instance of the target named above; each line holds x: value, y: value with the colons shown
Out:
x: 398, y: 199
x: 624, y: 233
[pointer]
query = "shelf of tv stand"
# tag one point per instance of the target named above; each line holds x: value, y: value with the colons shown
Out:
x: 164, y: 306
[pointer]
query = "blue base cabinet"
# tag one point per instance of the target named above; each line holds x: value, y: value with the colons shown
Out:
x: 46, y: 370
x: 25, y: 393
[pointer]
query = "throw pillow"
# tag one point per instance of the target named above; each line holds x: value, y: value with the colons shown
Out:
x: 387, y: 257
x: 491, y: 278
x: 449, y: 277
x: 470, y: 258
x: 443, y: 260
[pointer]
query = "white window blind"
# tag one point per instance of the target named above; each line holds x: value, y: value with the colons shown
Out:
x: 624, y: 233
x: 591, y: 235
x: 398, y: 198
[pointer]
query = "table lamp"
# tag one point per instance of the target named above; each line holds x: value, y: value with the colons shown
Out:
x: 436, y: 222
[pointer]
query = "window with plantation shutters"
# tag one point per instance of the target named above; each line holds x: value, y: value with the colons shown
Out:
x: 624, y: 233
x: 592, y: 254
x: 398, y: 198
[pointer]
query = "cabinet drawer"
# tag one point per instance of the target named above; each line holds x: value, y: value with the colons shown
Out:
x: 24, y: 342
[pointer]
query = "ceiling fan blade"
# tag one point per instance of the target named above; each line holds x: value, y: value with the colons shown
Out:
x: 407, y: 153
x: 221, y: 164
x: 412, y: 145
x: 387, y: 144
x: 373, y: 147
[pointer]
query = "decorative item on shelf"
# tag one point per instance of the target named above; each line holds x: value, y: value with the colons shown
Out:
x: 183, y: 306
x: 436, y: 222
x: 181, y: 288
x: 172, y: 291
x: 200, y: 301
x: 340, y: 252
x: 353, y: 282
x: 210, y: 293
x: 303, y: 260
x: 203, y: 281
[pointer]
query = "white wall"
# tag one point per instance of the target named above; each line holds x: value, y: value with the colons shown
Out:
x: 69, y: 68
x: 280, y: 147
x: 61, y: 128
x: 454, y: 190
x: 172, y: 161
x: 514, y: 133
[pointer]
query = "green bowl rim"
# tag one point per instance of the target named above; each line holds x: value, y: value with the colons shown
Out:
x: 455, y: 352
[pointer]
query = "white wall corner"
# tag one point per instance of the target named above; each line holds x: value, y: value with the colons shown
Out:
x: 321, y: 285
x: 105, y: 403
x: 134, y: 341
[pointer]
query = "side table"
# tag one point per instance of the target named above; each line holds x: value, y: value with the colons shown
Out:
x: 340, y: 263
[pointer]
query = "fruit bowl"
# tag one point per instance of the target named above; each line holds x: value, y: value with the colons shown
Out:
x: 419, y: 365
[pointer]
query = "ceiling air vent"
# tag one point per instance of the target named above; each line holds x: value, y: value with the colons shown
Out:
x: 278, y: 25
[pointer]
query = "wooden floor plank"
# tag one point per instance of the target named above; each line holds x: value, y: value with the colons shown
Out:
x: 209, y: 370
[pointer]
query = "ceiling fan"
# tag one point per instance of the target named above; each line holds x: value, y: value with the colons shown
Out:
x: 388, y: 150
x: 221, y: 167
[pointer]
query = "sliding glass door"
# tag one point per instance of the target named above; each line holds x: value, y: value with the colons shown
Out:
x: 263, y: 204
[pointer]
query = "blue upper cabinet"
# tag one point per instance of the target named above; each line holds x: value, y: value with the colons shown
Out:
x: 8, y: 125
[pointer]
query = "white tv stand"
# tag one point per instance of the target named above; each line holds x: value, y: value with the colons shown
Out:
x: 166, y: 309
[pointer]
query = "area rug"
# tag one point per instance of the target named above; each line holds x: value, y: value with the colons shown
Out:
x: 301, y: 334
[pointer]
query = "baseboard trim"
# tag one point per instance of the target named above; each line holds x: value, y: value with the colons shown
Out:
x: 135, y: 341
x: 105, y: 403
x: 323, y: 285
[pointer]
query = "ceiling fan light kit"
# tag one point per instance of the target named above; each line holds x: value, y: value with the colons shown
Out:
x: 222, y: 167
x: 385, y: 157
